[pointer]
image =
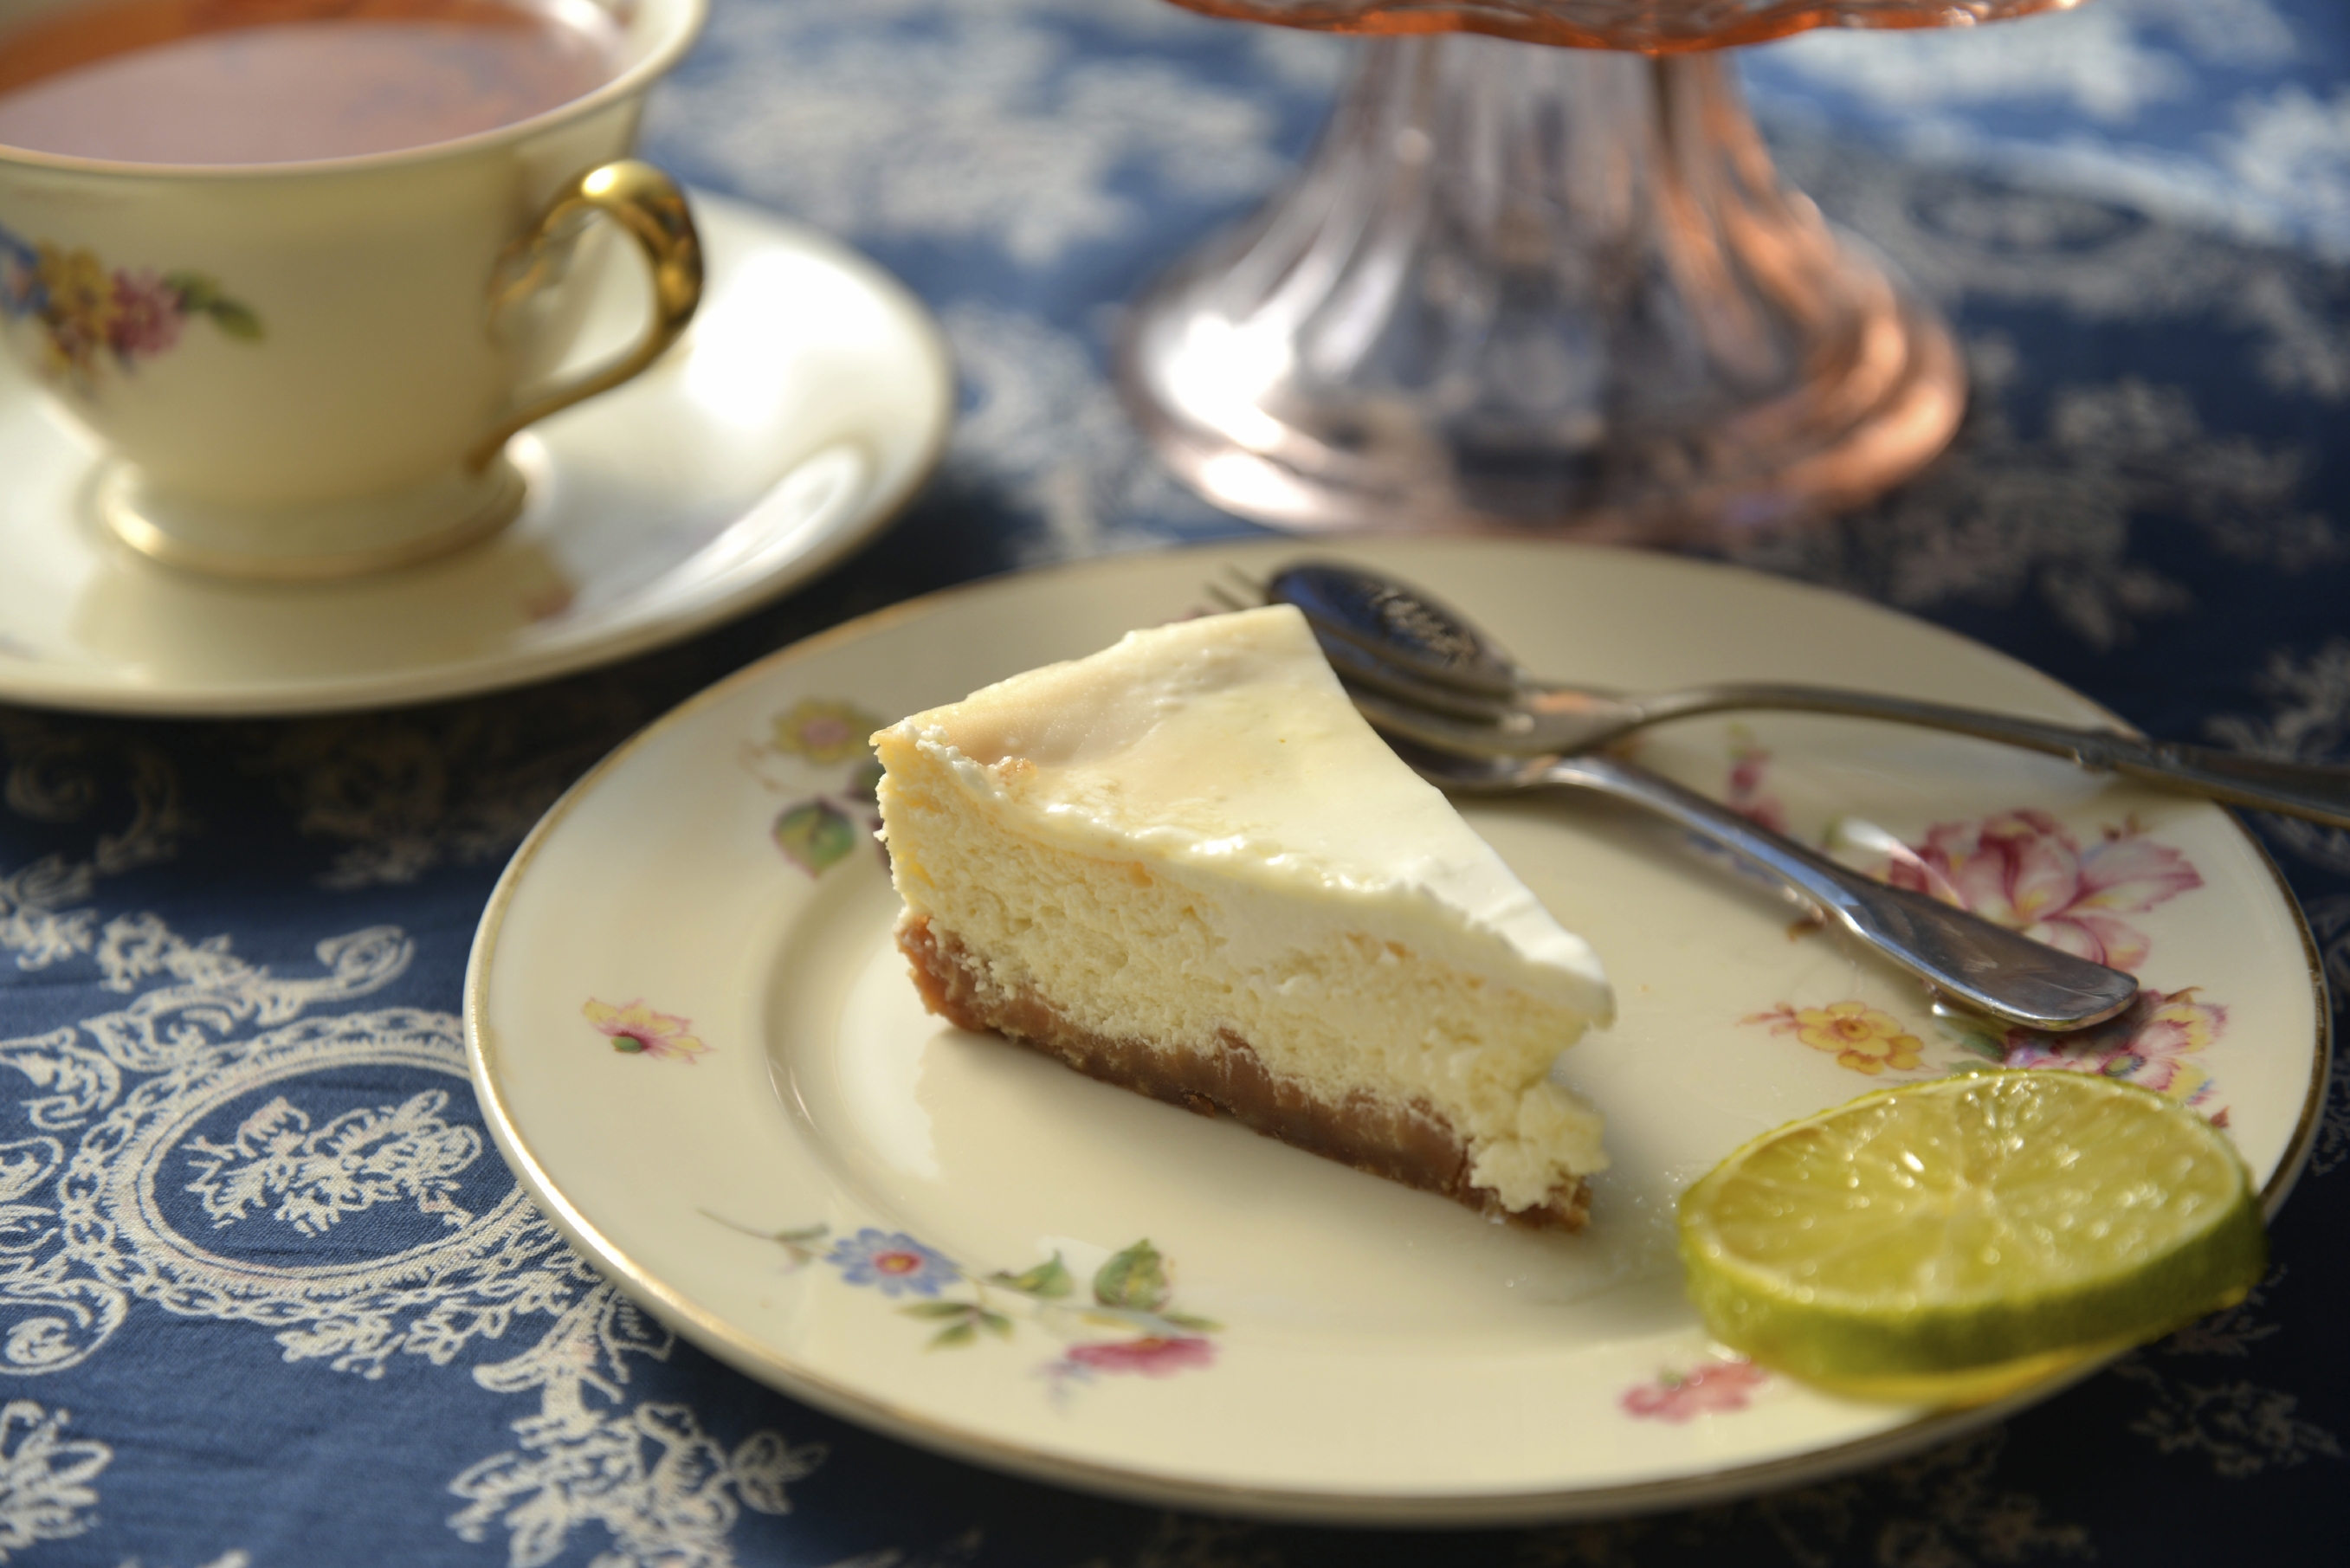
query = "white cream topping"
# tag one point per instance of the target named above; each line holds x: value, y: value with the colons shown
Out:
x: 1224, y: 748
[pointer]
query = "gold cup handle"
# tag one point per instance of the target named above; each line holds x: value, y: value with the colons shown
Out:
x: 648, y: 206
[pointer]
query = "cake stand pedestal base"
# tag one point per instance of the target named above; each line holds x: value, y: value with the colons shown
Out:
x: 1529, y: 289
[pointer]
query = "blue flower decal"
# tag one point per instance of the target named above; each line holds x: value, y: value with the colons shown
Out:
x: 892, y: 1260
x: 21, y: 293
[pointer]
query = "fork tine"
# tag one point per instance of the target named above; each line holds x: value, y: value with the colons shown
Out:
x: 1361, y: 670
x: 1510, y: 735
x: 1237, y: 590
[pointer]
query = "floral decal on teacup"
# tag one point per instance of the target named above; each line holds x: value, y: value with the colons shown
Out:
x: 86, y: 313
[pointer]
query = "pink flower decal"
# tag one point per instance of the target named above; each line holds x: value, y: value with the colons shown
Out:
x: 637, y: 1030
x: 1716, y: 1387
x: 825, y: 731
x: 1153, y: 1356
x: 2158, y: 1041
x: 146, y: 314
x: 2024, y: 870
x: 1745, y: 792
x: 1860, y: 1037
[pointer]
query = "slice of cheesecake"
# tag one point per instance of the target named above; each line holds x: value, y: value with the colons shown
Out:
x: 1185, y: 864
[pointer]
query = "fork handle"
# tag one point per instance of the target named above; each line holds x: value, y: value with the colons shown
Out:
x: 1985, y: 968
x: 2311, y: 790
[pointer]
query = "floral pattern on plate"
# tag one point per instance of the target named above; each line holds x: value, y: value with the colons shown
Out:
x: 84, y: 310
x: 1863, y: 1038
x: 1744, y: 790
x: 2025, y: 869
x: 1132, y: 1293
x: 636, y: 1030
x: 2158, y: 1041
x: 817, y: 832
x: 1717, y: 1387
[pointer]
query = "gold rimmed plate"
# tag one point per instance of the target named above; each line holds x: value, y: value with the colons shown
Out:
x: 697, y: 1046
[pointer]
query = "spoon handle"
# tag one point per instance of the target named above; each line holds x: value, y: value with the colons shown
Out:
x: 2311, y: 790
x: 1982, y: 967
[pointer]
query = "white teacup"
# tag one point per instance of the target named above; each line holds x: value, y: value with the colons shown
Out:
x: 310, y: 370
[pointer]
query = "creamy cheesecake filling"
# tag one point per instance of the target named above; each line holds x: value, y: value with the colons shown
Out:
x: 1408, y: 1143
x: 1191, y: 841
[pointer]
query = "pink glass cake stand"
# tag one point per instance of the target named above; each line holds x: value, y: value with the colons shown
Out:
x: 1545, y: 290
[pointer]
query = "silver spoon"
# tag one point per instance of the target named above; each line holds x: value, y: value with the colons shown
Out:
x: 1978, y: 965
x: 1982, y: 967
x: 1465, y: 693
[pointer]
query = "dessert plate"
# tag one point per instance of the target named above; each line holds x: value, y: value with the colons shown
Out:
x: 696, y: 1045
x: 803, y: 407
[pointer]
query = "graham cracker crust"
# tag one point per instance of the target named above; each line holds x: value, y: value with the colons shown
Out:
x: 1407, y: 1142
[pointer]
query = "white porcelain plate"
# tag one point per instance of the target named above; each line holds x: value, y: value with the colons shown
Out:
x: 694, y: 1042
x: 808, y: 402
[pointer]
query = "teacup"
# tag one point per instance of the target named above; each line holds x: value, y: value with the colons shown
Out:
x: 309, y: 369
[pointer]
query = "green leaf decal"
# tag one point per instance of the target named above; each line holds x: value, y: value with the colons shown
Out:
x: 197, y: 291
x: 996, y: 1323
x: 1975, y: 1039
x: 1196, y: 1324
x: 937, y: 1309
x: 814, y: 836
x: 952, y: 1336
x: 1050, y: 1280
x: 235, y: 320
x: 1136, y: 1278
x: 865, y: 780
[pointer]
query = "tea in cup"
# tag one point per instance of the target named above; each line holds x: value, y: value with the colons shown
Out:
x: 303, y: 266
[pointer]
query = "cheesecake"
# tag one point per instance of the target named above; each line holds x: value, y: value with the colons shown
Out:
x: 1186, y: 866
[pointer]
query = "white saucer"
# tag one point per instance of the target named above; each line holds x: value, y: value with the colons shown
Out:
x: 811, y: 397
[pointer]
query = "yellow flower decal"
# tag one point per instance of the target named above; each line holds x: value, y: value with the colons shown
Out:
x: 823, y: 732
x: 636, y: 1030
x: 80, y: 291
x: 81, y: 306
x: 1858, y: 1035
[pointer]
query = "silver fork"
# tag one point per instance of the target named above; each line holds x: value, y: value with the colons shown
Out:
x: 1975, y: 964
x: 1462, y: 692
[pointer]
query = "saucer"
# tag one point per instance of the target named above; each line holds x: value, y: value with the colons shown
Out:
x: 810, y: 398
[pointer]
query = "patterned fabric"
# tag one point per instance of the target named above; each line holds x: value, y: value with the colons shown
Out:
x: 267, y: 1295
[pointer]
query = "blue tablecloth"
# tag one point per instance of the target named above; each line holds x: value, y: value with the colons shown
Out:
x: 225, y: 932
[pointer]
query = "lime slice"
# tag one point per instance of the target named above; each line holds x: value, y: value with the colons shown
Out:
x: 1952, y: 1241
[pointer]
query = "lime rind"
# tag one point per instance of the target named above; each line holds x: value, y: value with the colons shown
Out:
x: 1934, y: 1230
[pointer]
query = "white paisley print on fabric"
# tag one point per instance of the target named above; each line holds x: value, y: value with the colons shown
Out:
x: 362, y: 1157
x: 45, y: 1491
x: 121, y: 1101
